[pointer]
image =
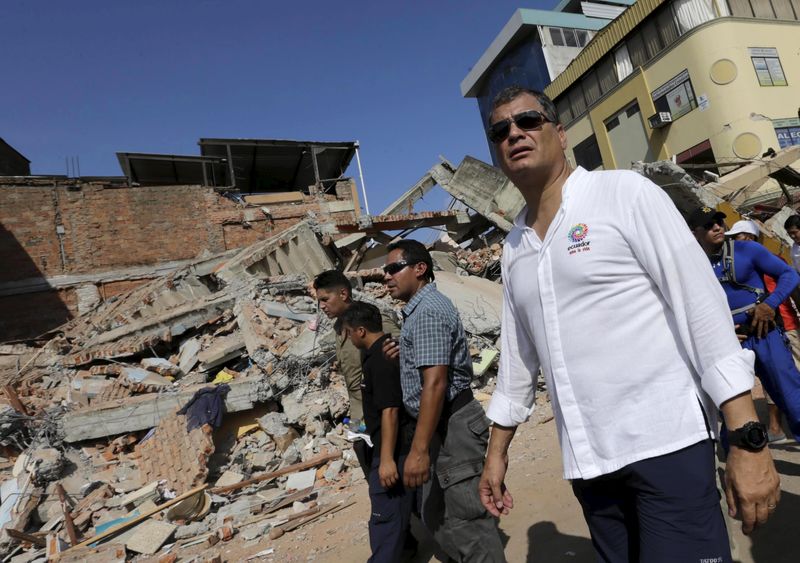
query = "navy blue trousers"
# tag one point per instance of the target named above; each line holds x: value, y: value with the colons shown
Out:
x: 391, y: 515
x: 664, y: 509
x: 778, y: 373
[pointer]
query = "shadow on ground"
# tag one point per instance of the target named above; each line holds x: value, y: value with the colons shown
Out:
x: 775, y: 542
x: 547, y: 545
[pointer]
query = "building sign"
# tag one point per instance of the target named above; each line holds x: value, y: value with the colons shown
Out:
x: 768, y: 66
x: 788, y: 131
x: 676, y: 96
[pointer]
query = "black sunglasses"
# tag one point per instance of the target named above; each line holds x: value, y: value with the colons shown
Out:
x: 527, y: 120
x: 710, y: 225
x: 394, y: 267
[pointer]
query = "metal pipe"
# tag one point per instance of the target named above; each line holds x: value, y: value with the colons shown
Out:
x: 361, y: 177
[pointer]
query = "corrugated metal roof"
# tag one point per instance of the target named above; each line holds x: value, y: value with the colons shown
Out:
x: 597, y: 10
x: 601, y: 44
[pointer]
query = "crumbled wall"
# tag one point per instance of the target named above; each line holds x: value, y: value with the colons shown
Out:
x: 111, y: 228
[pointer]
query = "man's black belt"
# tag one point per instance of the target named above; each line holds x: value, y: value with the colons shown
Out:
x: 459, y: 401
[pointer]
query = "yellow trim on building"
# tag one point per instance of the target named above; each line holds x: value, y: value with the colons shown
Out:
x: 602, y: 44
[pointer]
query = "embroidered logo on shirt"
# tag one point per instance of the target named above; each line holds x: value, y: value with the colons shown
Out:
x: 577, y: 235
x: 578, y: 232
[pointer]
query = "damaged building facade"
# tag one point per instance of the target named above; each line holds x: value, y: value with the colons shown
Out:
x: 674, y: 79
x: 69, y: 243
x: 202, y: 404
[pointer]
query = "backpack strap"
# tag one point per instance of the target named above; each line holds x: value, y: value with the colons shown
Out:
x: 729, y: 276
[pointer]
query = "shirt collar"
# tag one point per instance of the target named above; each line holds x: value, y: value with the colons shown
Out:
x: 377, y: 347
x: 418, y: 297
x: 521, y: 223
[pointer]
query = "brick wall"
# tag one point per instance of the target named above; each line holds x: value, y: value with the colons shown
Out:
x: 109, y: 228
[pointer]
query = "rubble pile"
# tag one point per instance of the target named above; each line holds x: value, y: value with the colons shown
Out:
x: 204, y: 408
x: 201, y: 407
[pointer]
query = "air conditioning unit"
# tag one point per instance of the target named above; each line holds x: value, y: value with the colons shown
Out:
x: 661, y: 119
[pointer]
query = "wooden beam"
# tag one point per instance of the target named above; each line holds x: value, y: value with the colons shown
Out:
x: 13, y: 398
x: 313, y: 462
x: 68, y: 522
x: 124, y: 525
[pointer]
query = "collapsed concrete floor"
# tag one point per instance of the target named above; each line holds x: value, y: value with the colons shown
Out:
x: 205, y: 407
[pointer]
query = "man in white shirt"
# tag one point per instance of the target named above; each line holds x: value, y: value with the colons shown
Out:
x: 608, y: 293
x: 792, y: 226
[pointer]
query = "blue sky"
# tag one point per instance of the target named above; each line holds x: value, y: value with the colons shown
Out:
x: 89, y: 79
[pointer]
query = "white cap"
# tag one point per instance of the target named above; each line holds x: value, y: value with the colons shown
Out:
x: 748, y: 227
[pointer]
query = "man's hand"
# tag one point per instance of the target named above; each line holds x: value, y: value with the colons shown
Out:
x: 387, y: 473
x: 492, y: 489
x: 391, y: 349
x: 763, y: 319
x: 417, y: 468
x: 741, y: 337
x: 752, y: 486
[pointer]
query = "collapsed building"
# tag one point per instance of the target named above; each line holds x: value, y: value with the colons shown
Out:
x: 202, y: 403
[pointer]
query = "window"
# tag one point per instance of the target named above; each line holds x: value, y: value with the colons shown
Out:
x: 676, y: 96
x: 576, y: 100
x: 691, y: 13
x: 606, y: 74
x: 623, y: 62
x: 569, y: 37
x: 768, y: 66
x: 556, y: 36
x: 587, y: 153
x: 652, y: 39
x: 612, y: 123
x: 636, y: 49
x: 591, y: 88
x: 667, y: 26
x: 787, y: 130
x: 582, y: 36
x: 564, y: 112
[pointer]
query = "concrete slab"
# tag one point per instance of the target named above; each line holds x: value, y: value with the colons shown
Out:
x: 150, y: 536
x: 301, y: 480
x: 479, y: 301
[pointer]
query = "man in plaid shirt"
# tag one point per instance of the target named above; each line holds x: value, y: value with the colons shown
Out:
x: 452, y: 431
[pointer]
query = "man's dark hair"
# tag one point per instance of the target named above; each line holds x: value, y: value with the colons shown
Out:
x: 792, y: 222
x: 510, y: 93
x: 361, y: 314
x: 331, y: 280
x: 415, y: 252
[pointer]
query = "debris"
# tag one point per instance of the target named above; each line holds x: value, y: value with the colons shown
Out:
x: 301, y: 480
x: 150, y: 536
x: 313, y: 462
x: 114, y: 530
x: 229, y: 478
x: 175, y: 455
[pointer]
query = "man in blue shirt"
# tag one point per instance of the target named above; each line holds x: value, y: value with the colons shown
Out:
x: 740, y: 266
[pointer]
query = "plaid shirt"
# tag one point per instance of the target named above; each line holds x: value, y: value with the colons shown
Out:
x: 432, y: 335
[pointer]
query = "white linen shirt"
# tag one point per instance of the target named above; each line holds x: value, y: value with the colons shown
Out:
x: 620, y: 308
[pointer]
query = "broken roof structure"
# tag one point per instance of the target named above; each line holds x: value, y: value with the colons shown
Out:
x: 247, y: 165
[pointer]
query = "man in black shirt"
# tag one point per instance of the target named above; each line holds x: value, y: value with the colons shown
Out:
x: 387, y: 426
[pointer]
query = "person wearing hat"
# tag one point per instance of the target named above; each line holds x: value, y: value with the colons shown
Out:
x: 748, y: 230
x: 740, y: 266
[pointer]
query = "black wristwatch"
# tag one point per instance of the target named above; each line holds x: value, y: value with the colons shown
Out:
x: 752, y: 436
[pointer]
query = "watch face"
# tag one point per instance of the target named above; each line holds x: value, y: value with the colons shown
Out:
x: 755, y: 437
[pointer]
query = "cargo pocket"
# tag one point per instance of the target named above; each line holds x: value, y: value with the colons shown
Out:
x: 459, y: 476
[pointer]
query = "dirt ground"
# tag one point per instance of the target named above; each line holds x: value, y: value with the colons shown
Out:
x: 545, y: 526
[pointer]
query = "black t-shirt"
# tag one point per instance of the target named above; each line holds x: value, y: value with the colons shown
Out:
x: 380, y: 389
